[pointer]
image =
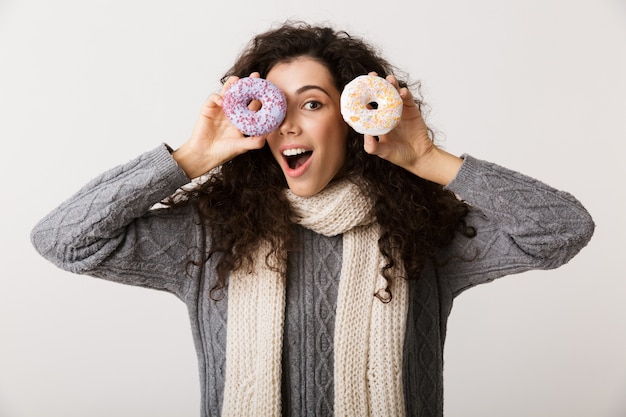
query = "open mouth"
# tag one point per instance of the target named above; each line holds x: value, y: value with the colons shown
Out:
x: 295, y: 158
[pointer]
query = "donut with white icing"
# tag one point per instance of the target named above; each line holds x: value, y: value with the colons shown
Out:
x: 359, y: 112
x: 235, y: 103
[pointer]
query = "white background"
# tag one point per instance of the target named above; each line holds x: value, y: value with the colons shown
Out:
x: 535, y: 85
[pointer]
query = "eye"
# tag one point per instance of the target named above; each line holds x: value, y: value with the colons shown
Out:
x: 312, y: 105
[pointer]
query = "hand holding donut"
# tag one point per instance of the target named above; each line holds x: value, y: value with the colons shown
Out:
x: 214, y: 139
x: 409, y: 146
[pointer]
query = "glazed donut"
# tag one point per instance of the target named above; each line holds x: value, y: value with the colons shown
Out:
x: 235, y: 103
x: 362, y: 91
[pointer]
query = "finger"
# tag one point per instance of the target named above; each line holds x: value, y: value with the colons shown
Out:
x: 371, y: 145
x: 405, y: 93
x: 255, y: 75
x: 407, y: 96
x: 393, y: 81
x: 214, y: 100
x: 254, y: 142
x: 229, y: 82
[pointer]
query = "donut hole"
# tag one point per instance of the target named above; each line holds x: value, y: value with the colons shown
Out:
x: 255, y: 105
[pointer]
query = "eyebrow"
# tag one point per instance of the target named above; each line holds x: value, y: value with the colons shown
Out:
x: 311, y: 87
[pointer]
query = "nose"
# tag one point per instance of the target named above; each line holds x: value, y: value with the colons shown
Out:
x: 289, y: 126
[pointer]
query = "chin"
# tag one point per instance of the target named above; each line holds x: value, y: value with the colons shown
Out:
x: 304, y: 190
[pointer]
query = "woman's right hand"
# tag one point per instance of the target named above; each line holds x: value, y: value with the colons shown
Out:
x: 214, y: 139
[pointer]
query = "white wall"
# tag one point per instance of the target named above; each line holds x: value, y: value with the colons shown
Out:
x: 535, y: 85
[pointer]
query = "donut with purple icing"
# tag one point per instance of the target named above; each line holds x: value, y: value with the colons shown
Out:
x: 235, y: 103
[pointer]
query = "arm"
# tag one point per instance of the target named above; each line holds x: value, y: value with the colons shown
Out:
x: 107, y: 229
x: 521, y: 224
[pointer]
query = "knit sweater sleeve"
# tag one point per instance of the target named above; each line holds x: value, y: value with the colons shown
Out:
x: 521, y: 224
x: 108, y: 230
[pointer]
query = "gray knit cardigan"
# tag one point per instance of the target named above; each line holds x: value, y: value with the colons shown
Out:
x: 108, y: 230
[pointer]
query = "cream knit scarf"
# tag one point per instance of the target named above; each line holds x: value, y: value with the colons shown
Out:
x: 369, y: 334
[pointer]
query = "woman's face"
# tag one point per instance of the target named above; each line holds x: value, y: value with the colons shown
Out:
x: 310, y: 144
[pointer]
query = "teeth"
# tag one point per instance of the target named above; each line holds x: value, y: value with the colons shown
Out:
x: 294, y: 152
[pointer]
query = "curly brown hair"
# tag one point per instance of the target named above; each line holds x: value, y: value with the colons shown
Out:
x: 243, y: 202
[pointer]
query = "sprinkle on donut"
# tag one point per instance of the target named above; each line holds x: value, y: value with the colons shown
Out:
x: 254, y: 123
x: 356, y: 100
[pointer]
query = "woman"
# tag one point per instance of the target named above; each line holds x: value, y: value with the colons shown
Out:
x: 318, y: 265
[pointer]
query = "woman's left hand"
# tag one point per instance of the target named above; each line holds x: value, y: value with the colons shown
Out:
x: 409, y: 144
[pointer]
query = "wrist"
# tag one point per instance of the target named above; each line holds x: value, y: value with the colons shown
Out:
x: 437, y: 165
x: 192, y: 161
